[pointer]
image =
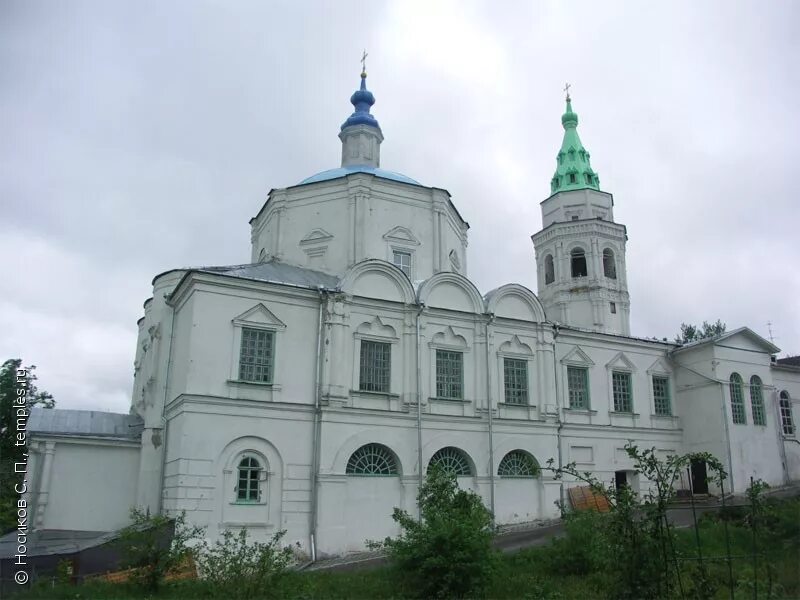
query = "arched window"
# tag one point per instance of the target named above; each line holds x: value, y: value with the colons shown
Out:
x: 757, y: 401
x: 248, y: 487
x: 372, y: 459
x: 578, y: 263
x: 518, y: 463
x: 737, y: 400
x: 549, y: 269
x: 452, y: 461
x: 787, y: 421
x: 609, y: 266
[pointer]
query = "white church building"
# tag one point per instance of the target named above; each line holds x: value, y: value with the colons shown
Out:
x: 311, y: 388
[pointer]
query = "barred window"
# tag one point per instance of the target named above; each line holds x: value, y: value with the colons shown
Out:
x: 623, y: 394
x: 257, y: 357
x: 661, y: 398
x: 518, y: 463
x: 757, y: 401
x: 516, y: 380
x: 372, y: 459
x: 402, y: 260
x: 376, y: 367
x: 449, y: 374
x: 578, y: 386
x: 787, y: 422
x: 247, y: 488
x: 737, y: 400
x: 452, y: 461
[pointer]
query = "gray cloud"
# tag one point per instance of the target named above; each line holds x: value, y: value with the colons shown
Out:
x: 142, y: 136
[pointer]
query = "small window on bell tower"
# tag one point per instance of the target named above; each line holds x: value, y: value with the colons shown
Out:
x: 573, y: 178
x: 578, y: 263
x: 613, y: 308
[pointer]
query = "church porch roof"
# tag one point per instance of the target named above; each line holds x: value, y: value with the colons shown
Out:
x: 84, y: 423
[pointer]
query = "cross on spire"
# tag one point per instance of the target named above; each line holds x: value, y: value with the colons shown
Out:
x: 566, y: 89
x: 364, y: 62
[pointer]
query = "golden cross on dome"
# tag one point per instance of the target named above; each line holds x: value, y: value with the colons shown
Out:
x: 566, y: 89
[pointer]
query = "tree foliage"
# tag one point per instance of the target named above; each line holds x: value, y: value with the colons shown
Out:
x: 693, y: 333
x: 14, y: 377
x: 155, y: 545
x: 449, y: 553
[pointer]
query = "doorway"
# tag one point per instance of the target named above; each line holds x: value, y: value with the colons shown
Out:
x: 620, y: 479
x: 699, y: 477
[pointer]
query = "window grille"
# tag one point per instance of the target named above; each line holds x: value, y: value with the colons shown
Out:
x: 402, y: 260
x: 518, y: 464
x: 372, y: 459
x: 376, y: 367
x: 737, y: 400
x: 515, y: 380
x: 449, y: 374
x: 257, y: 356
x: 621, y: 386
x: 452, y: 461
x: 787, y: 421
x: 757, y: 401
x: 578, y: 386
x: 247, y: 489
x: 661, y: 398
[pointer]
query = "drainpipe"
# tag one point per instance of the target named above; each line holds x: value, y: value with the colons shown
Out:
x: 558, y: 413
x: 317, y: 434
x: 164, y: 423
x: 419, y: 408
x: 490, y: 410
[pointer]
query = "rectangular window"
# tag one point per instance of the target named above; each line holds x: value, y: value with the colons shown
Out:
x: 402, y: 260
x: 257, y: 355
x: 623, y: 396
x: 578, y: 386
x: 376, y: 367
x: 661, y: 400
x: 613, y: 308
x: 515, y: 380
x: 449, y: 374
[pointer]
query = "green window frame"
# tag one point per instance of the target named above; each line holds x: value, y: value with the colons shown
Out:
x: 757, y: 401
x: 452, y: 461
x: 621, y: 386
x: 372, y: 460
x: 578, y: 387
x: 257, y: 355
x: 518, y: 463
x: 661, y: 397
x: 375, y: 373
x: 738, y: 413
x: 450, y: 374
x: 515, y: 380
x: 248, y: 486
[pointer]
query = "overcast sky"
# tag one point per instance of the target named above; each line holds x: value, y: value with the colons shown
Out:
x: 141, y: 136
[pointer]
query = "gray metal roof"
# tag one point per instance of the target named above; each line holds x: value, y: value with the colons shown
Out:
x: 92, y: 423
x: 54, y: 541
x: 276, y: 272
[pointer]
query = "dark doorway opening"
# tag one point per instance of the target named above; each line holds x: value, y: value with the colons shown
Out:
x: 621, y: 479
x: 699, y: 477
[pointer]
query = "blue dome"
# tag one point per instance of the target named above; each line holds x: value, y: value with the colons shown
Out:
x: 345, y: 171
x: 362, y: 100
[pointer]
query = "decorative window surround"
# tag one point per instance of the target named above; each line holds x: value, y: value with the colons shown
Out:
x: 376, y: 331
x: 623, y: 370
x: 659, y: 369
x: 261, y: 318
x: 401, y: 241
x: 577, y: 359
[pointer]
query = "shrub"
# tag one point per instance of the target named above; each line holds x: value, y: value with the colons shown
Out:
x: 155, y: 545
x: 448, y: 554
x: 235, y: 568
x: 581, y: 550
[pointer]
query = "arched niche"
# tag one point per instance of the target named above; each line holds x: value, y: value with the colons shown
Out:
x: 514, y: 301
x: 451, y: 291
x: 378, y: 279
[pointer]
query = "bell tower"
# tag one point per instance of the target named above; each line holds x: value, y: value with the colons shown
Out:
x: 580, y: 251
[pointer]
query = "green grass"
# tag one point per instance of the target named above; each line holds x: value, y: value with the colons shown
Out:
x: 537, y: 572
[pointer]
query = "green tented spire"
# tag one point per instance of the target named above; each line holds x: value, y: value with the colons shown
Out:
x: 574, y: 171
